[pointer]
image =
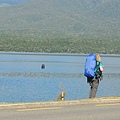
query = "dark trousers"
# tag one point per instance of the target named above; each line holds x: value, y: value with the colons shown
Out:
x: 94, y: 83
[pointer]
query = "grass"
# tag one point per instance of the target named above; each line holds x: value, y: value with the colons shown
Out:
x: 58, y: 45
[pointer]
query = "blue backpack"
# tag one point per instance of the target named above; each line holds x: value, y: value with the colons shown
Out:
x: 90, y: 64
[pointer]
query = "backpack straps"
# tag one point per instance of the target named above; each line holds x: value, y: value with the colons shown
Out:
x: 98, y: 73
x: 97, y: 67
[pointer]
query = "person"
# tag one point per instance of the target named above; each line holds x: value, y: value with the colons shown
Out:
x: 94, y: 82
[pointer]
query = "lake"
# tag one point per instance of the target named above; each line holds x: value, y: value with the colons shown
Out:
x: 23, y: 80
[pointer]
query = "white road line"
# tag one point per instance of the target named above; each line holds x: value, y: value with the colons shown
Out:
x: 33, y: 109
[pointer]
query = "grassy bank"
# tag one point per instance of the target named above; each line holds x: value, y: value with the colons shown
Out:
x: 58, y: 45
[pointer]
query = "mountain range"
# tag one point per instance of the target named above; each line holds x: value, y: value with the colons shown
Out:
x: 62, y: 18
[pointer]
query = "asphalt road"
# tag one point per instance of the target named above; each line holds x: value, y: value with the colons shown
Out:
x: 76, y: 112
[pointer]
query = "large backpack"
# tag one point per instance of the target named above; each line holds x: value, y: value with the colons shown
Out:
x: 90, y: 64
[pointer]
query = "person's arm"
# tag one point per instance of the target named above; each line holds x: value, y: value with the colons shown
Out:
x: 101, y: 67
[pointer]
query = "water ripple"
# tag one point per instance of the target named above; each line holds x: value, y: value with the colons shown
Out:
x: 41, y: 74
x: 52, y: 75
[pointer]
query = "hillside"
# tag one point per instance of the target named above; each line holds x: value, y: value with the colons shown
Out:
x: 62, y: 18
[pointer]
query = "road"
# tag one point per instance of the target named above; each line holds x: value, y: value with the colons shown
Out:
x: 76, y: 112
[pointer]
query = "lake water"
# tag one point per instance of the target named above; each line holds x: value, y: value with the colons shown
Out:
x: 23, y: 80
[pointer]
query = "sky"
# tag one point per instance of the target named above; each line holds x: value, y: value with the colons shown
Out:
x: 13, y: 2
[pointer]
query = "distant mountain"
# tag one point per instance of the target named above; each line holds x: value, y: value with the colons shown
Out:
x: 4, y: 5
x: 63, y: 18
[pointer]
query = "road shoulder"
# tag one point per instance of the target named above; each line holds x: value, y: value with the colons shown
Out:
x: 30, y: 105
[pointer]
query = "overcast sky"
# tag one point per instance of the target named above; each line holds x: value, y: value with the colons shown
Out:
x: 13, y: 2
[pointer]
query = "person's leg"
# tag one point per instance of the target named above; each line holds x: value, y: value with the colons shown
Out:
x: 94, y: 86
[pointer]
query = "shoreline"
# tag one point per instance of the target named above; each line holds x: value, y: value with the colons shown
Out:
x: 56, y: 54
x: 31, y: 105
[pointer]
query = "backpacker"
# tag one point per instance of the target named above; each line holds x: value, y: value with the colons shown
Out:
x: 90, y: 64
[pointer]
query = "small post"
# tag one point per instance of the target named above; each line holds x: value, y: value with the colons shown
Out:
x: 61, y: 96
